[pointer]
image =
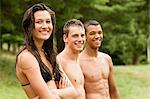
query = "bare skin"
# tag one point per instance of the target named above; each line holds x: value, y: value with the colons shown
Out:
x: 28, y: 72
x: 74, y: 73
x: 28, y: 69
x: 97, y: 67
x: 68, y: 59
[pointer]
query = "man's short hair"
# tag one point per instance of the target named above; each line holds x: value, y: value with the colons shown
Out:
x: 71, y: 22
x: 90, y: 22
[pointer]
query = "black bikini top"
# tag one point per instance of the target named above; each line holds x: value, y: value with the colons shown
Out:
x: 46, y: 73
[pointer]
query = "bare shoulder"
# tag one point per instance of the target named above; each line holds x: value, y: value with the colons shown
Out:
x: 104, y: 55
x: 82, y: 55
x: 61, y: 60
x: 26, y: 60
x: 58, y: 57
x: 58, y: 60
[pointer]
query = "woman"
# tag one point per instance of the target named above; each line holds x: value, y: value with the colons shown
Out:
x: 36, y: 66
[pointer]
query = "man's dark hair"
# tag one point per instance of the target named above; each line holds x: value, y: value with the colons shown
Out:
x: 90, y: 22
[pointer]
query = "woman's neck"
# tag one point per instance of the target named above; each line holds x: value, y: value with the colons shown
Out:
x: 39, y: 44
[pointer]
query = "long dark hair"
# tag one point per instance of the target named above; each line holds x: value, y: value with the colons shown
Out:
x: 48, y: 45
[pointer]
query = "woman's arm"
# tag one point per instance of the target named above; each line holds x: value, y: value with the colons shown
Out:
x: 65, y: 87
x: 30, y: 68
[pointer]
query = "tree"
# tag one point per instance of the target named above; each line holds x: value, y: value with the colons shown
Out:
x: 124, y: 23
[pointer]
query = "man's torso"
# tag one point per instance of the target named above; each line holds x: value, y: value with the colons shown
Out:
x: 74, y: 73
x: 96, y: 73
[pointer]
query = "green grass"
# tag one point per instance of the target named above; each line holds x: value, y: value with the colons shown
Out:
x: 133, y: 82
x: 9, y: 86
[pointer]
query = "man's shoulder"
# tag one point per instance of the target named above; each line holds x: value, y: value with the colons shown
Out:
x: 61, y: 60
x: 104, y: 55
x: 82, y: 55
x: 58, y: 56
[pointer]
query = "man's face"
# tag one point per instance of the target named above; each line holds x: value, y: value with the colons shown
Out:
x: 76, y: 38
x: 43, y: 25
x: 94, y: 36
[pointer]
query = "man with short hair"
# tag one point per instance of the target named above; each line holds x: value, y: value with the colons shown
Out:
x: 97, y: 67
x: 74, y: 38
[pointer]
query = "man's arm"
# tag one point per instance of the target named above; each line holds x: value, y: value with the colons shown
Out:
x: 114, y: 93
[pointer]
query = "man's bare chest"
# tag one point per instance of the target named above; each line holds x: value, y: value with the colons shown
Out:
x: 95, y: 70
x: 75, y: 74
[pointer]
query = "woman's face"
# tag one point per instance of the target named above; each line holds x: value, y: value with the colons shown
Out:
x: 43, y: 25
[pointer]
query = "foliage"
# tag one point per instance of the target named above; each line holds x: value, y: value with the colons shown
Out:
x: 125, y: 28
x: 125, y: 23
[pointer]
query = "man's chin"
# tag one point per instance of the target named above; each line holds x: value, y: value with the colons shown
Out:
x: 79, y: 49
x: 96, y: 47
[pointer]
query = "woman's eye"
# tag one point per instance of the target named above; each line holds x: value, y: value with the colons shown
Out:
x: 100, y: 32
x: 38, y: 22
x: 48, y: 21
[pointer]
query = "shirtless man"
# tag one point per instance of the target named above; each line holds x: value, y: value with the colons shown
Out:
x: 74, y: 38
x: 97, y: 67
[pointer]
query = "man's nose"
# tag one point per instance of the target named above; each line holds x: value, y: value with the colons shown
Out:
x: 80, y: 38
x: 97, y: 35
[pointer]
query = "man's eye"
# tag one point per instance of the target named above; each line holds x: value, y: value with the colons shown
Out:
x: 92, y: 33
x: 82, y: 35
x: 75, y: 36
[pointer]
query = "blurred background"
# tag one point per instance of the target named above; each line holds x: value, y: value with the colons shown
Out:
x: 126, y: 27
